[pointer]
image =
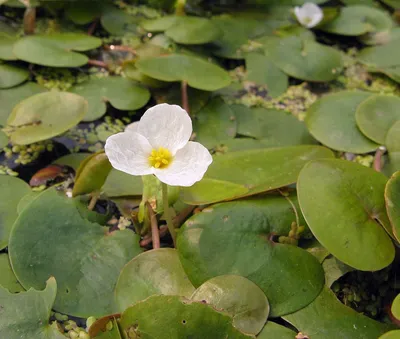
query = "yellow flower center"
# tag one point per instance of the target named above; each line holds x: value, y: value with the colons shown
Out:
x: 160, y: 158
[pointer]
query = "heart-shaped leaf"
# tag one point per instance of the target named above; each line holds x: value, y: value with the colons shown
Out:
x: 153, y: 272
x: 6, y: 47
x: 13, y: 190
x: 381, y: 56
x: 331, y: 186
x: 238, y: 174
x: 357, y: 20
x: 273, y: 330
x: 91, y: 174
x: 392, y: 199
x: 214, y: 122
x: 50, y: 235
x: 55, y: 50
x: 122, y: 93
x: 331, y: 120
x: 274, y: 127
x: 262, y: 71
x: 376, y: 115
x: 396, y: 307
x: 83, y: 12
x: 9, y: 98
x: 328, y: 318
x: 239, y: 297
x: 45, y: 115
x: 304, y: 59
x: 177, y: 317
x: 278, y: 269
x: 119, y: 184
x: 11, y: 76
x: 118, y: 22
x: 395, y: 334
x: 26, y: 314
x: 7, y: 277
x: 197, y: 72
x: 393, y: 147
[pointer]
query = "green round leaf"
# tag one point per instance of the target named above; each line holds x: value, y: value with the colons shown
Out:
x: 51, y: 238
x: 153, y: 272
x: 214, y: 122
x: 197, y: 72
x: 12, y: 190
x: 334, y: 269
x: 278, y: 269
x: 274, y: 127
x: 381, y: 56
x: 273, y: 330
x: 304, y: 59
x: 12, y: 96
x: 393, y: 146
x: 6, y: 47
x: 239, y: 297
x: 55, y: 50
x: 72, y: 160
x: 238, y: 174
x: 11, y: 76
x: 331, y: 120
x: 119, y: 184
x: 160, y: 24
x: 91, y: 174
x: 392, y: 199
x: 376, y: 115
x: 3, y: 140
x: 26, y: 314
x: 392, y: 3
x: 118, y: 22
x: 328, y: 318
x: 83, y: 12
x: 262, y: 71
x: 326, y: 189
x: 395, y: 334
x: 7, y: 277
x: 193, y: 30
x: 176, y: 317
x: 122, y: 93
x: 357, y: 20
x: 396, y: 307
x: 45, y: 115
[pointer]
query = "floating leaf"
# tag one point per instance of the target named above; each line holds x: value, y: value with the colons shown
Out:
x: 376, y: 115
x: 13, y: 189
x: 331, y: 120
x: 119, y: 184
x: 239, y: 297
x: 392, y: 199
x: 91, y: 174
x: 392, y: 3
x: 153, y: 272
x: 50, y: 235
x: 55, y: 50
x: 304, y: 59
x: 273, y: 330
x: 131, y: 72
x: 176, y: 317
x: 357, y: 20
x: 72, y: 160
x: 214, y: 122
x: 3, y: 140
x: 328, y: 318
x: 239, y: 174
x: 395, y: 334
x: 334, y: 269
x: 83, y: 12
x: 275, y: 127
x: 381, y: 56
x: 26, y: 314
x: 45, y: 115
x: 7, y: 277
x: 331, y: 186
x: 197, y: 72
x: 122, y: 93
x: 117, y: 22
x: 11, y: 76
x: 6, y: 47
x: 278, y: 269
x: 12, y: 96
x: 396, y: 307
x: 393, y: 146
x: 262, y: 71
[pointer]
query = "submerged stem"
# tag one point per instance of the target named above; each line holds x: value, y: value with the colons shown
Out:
x: 185, y: 98
x: 167, y: 212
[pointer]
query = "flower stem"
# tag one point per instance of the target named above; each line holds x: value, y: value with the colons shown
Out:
x: 180, y: 7
x: 378, y: 158
x: 155, y: 233
x: 185, y: 98
x: 167, y: 212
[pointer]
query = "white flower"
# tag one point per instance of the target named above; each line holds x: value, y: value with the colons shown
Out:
x: 160, y: 145
x: 309, y: 15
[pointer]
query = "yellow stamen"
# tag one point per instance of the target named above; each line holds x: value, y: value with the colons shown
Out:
x: 160, y: 158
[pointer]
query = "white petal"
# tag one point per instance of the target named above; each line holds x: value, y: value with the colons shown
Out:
x: 167, y: 126
x: 188, y: 166
x: 129, y: 152
x: 132, y: 127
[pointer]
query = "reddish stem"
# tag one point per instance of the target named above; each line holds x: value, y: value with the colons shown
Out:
x: 97, y: 63
x: 185, y: 98
x: 92, y: 27
x: 378, y: 158
x: 155, y: 234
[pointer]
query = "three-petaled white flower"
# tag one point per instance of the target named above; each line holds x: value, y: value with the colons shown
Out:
x: 159, y: 144
x: 309, y: 15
